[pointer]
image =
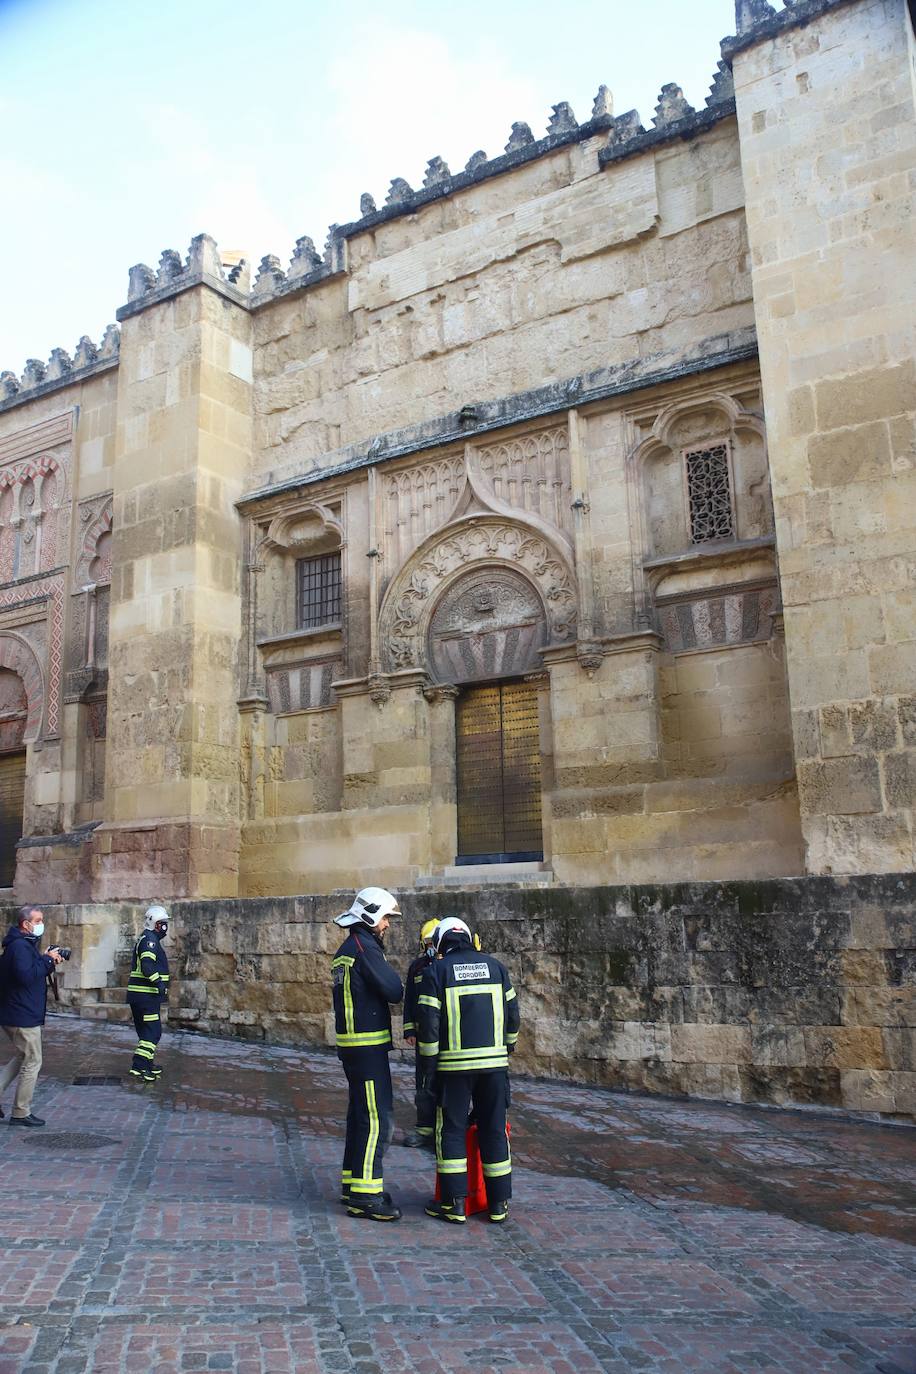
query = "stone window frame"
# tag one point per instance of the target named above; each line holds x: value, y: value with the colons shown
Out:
x: 723, y: 442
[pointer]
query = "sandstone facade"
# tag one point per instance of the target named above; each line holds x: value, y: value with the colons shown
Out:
x: 621, y: 418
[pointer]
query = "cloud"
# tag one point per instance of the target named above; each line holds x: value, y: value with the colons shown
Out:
x: 407, y: 87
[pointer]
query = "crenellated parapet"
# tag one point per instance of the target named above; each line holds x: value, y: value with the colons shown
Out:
x: 202, y: 265
x: 38, y: 378
x: 759, y: 19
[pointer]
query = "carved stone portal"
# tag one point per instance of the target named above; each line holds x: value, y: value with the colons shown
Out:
x: 489, y: 549
x: 488, y: 624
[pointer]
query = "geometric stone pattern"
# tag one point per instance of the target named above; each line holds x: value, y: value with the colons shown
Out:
x: 52, y: 588
x: 709, y: 494
x: 727, y: 617
x: 302, y: 686
x: 638, y: 1239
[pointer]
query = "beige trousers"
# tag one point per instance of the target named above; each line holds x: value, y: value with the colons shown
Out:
x: 27, y: 1059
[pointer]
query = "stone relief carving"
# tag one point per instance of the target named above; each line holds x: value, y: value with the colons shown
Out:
x: 490, y: 623
x: 95, y: 518
x: 416, y: 502
x: 531, y: 474
x: 483, y: 539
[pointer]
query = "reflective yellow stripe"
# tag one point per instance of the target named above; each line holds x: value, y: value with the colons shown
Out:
x: 154, y: 1017
x: 428, y: 1048
x: 453, y: 1011
x: 372, y: 1142
x: 511, y: 1037
x: 510, y: 994
x: 366, y: 1185
x: 459, y: 1064
x: 409, y: 1026
x: 497, y: 1170
x: 480, y: 1052
x: 424, y: 1001
x: 147, y: 954
x: 363, y: 1038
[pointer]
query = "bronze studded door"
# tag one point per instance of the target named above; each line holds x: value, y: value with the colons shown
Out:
x: 499, y: 774
x: 12, y: 793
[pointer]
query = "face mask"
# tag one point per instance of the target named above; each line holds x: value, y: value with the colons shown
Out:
x: 39, y: 928
x: 162, y: 933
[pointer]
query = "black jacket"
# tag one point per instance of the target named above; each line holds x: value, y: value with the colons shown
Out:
x: 23, y: 980
x: 149, y: 970
x: 412, y: 992
x: 364, y: 984
x: 468, y: 1013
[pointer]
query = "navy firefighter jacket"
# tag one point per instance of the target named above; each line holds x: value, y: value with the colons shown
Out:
x: 364, y: 984
x: 149, y: 972
x: 468, y: 1013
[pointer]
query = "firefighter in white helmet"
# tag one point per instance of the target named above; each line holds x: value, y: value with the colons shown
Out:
x: 364, y: 986
x: 147, y: 989
x: 468, y: 1025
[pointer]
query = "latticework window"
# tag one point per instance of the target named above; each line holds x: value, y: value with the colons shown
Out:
x: 709, y: 494
x: 318, y: 591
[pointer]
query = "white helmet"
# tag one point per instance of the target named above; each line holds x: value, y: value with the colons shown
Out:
x: 451, y: 925
x: 155, y: 915
x: 368, y: 907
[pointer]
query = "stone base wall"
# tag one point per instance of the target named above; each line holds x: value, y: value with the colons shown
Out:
x: 795, y: 991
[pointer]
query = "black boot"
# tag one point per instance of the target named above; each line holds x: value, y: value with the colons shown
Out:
x: 373, y: 1207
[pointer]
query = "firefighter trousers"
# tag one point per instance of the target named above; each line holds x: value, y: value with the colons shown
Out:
x: 369, y: 1119
x: 424, y: 1100
x: 488, y: 1093
x: 145, y: 1008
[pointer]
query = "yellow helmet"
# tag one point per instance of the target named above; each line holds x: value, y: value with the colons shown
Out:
x: 427, y: 931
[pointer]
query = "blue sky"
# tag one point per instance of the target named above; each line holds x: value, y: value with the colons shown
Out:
x: 130, y: 126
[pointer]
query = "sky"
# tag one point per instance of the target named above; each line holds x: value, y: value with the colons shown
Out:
x: 130, y: 126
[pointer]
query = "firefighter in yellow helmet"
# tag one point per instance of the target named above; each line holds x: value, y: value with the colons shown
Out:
x: 424, y: 1133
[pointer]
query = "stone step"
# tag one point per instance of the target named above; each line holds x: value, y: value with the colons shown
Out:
x: 465, y: 875
x: 105, y: 1011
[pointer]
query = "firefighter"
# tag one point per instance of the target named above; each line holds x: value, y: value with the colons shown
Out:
x: 424, y: 1100
x: 468, y: 1025
x: 364, y: 984
x: 147, y: 989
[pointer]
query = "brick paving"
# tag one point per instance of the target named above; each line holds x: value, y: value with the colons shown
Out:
x: 196, y: 1226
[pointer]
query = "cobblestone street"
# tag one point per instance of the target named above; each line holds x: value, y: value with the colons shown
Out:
x: 195, y: 1226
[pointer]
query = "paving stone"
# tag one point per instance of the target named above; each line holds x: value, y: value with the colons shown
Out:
x: 644, y: 1235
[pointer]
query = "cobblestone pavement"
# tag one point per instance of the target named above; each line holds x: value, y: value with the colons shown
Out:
x: 196, y: 1227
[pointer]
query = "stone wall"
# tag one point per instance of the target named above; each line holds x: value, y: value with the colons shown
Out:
x: 796, y: 991
x: 827, y: 118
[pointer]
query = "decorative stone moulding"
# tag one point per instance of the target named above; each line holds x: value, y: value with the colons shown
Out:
x: 723, y: 86
x: 489, y: 542
x: 305, y: 260
x: 379, y: 690
x: 520, y: 137
x: 437, y: 172
x: 399, y: 192
x: 672, y: 107
x: 603, y: 104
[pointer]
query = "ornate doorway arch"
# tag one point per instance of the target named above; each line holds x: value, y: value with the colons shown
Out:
x: 523, y: 567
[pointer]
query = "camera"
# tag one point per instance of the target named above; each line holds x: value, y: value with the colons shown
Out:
x: 62, y: 950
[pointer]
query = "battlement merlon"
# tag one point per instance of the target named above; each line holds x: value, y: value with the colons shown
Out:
x: 60, y: 370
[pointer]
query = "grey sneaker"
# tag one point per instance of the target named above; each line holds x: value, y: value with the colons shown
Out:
x: 30, y: 1120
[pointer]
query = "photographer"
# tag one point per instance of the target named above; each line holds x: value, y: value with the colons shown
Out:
x: 24, y: 974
